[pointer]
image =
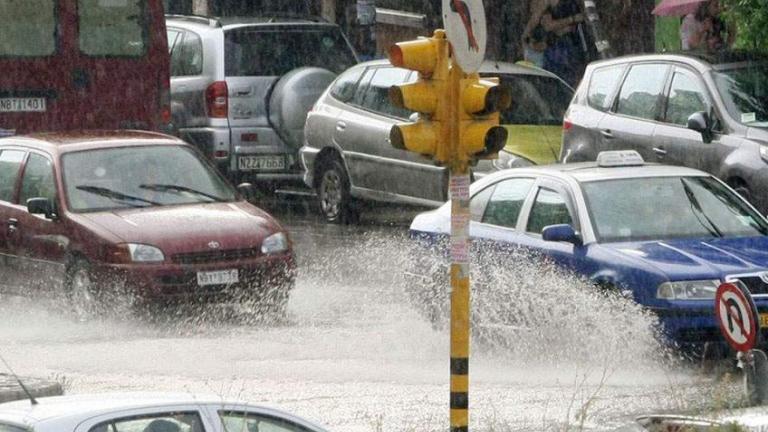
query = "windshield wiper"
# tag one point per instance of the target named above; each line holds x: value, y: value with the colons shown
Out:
x: 179, y: 188
x: 114, y: 195
x: 699, y: 213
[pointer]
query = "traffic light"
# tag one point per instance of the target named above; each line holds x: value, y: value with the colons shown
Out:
x: 428, y: 96
x: 480, y: 136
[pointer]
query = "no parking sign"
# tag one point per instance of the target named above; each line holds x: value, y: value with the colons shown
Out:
x: 737, y: 316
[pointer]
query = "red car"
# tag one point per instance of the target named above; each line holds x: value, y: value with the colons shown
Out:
x: 106, y: 213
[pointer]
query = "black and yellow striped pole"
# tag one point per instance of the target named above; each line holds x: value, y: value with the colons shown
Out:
x: 457, y: 124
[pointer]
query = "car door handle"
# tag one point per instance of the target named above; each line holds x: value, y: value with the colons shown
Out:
x: 13, y: 225
x: 606, y: 133
x: 340, y: 126
x: 660, y: 151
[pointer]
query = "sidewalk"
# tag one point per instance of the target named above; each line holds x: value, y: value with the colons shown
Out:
x: 10, y: 389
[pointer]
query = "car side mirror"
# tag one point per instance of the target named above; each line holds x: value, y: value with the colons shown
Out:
x: 414, y: 117
x: 42, y: 206
x: 247, y: 191
x: 701, y: 122
x: 561, y: 233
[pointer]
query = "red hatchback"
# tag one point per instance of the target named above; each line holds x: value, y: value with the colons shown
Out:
x: 95, y: 215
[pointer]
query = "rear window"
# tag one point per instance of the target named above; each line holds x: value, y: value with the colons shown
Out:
x: 601, y: 85
x: 112, y: 28
x: 536, y: 100
x: 275, y: 52
x: 27, y: 28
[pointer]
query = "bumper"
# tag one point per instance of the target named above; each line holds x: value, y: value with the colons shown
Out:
x: 265, y: 277
x: 692, y: 324
x: 308, y: 156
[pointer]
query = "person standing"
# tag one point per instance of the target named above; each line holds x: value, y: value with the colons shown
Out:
x: 566, y: 49
x: 705, y: 30
x: 366, y: 21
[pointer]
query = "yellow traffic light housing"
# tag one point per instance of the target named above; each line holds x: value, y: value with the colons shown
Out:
x: 427, y: 96
x: 480, y: 136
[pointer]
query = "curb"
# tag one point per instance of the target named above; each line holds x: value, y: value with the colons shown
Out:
x: 11, y: 391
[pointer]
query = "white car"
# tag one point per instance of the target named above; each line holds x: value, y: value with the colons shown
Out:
x: 143, y: 412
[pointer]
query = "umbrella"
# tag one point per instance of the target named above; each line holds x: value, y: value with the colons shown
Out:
x: 676, y: 7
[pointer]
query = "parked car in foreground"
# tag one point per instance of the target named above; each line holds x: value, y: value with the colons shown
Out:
x: 241, y: 88
x: 347, y: 154
x: 664, y: 236
x: 708, y: 112
x: 738, y: 420
x: 146, y: 412
x: 84, y: 64
x: 95, y: 215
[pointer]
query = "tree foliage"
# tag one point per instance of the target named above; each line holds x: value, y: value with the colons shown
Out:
x: 751, y: 17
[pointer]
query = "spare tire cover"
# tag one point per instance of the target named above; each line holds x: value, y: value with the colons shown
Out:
x: 292, y: 98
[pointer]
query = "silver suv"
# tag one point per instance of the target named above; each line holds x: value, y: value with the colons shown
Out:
x: 241, y: 88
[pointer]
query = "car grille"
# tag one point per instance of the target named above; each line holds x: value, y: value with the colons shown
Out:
x: 754, y: 283
x: 214, y: 256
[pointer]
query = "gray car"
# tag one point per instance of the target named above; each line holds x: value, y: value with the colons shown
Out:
x: 349, y: 159
x: 241, y: 88
x: 708, y: 112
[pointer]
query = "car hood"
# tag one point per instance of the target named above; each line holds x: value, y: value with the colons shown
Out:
x: 235, y: 225
x: 701, y: 258
x: 539, y: 144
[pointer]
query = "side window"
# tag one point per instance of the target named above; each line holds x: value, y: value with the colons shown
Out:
x: 506, y: 202
x: 37, y: 180
x: 362, y: 86
x: 548, y: 209
x: 172, y: 36
x: 479, y: 202
x: 602, y: 84
x: 641, y: 91
x: 377, y: 95
x: 251, y: 422
x: 164, y: 422
x: 112, y: 28
x: 685, y: 98
x: 10, y: 162
x: 187, y: 56
x: 344, y: 87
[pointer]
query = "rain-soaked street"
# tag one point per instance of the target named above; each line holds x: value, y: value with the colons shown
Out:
x: 354, y: 355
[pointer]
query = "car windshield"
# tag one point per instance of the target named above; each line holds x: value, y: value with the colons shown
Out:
x: 275, y: 52
x: 744, y: 90
x: 536, y: 100
x: 668, y: 208
x: 124, y: 177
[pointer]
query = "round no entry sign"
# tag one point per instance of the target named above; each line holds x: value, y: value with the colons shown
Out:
x: 737, y: 316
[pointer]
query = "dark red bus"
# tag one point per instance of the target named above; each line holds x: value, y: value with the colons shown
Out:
x: 83, y: 64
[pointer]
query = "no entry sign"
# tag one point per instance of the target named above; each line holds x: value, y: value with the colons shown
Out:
x: 737, y: 316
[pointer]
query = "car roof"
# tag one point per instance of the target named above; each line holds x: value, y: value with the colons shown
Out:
x: 228, y: 23
x: 90, y: 405
x: 64, y: 142
x: 488, y: 66
x: 702, y: 61
x: 583, y: 172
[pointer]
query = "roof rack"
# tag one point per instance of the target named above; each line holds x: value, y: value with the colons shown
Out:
x: 201, y: 19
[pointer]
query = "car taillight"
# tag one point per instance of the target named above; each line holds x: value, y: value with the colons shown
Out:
x: 217, y: 99
x: 567, y: 125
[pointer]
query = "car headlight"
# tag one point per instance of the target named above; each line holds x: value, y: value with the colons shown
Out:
x: 277, y: 242
x: 764, y: 153
x: 688, y: 290
x: 508, y: 160
x: 145, y: 253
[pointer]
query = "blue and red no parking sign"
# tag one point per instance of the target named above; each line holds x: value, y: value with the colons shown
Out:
x: 737, y: 316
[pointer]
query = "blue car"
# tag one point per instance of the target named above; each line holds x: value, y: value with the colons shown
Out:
x: 665, y: 236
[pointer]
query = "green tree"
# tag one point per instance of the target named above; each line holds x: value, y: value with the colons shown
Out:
x: 751, y: 17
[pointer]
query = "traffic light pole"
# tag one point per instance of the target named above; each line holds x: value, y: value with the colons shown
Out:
x: 460, y: 298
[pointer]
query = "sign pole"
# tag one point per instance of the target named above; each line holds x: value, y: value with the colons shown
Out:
x: 460, y: 298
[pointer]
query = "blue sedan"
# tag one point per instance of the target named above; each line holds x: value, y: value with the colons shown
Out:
x: 665, y: 236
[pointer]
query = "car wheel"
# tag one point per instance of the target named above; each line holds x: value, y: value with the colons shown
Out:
x: 742, y: 189
x: 333, y: 193
x: 81, y: 291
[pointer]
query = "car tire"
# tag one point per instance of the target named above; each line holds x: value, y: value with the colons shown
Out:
x: 88, y: 301
x: 333, y: 193
x: 741, y: 188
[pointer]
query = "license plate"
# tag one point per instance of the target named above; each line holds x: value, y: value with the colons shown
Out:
x: 272, y: 163
x: 219, y: 277
x: 764, y: 320
x: 28, y: 104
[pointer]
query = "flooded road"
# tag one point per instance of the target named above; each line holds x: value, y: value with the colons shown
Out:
x: 354, y: 355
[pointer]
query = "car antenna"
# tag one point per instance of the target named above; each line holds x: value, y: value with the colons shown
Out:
x: 23, y: 387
